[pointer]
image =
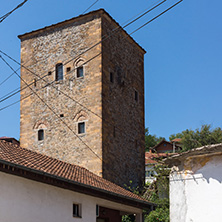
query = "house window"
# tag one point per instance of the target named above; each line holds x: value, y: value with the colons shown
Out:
x: 80, y: 72
x: 76, y: 212
x: 136, y: 96
x: 68, y: 69
x: 59, y: 72
x: 81, y: 128
x: 40, y: 135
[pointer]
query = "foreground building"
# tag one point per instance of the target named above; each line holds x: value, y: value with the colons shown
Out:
x: 90, y: 73
x: 196, y: 185
x: 35, y: 187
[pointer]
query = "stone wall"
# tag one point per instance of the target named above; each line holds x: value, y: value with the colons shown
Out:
x: 123, y: 114
x: 41, y: 52
x: 113, y: 110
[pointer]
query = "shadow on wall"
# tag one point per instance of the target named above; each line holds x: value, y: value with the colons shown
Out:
x: 211, y: 171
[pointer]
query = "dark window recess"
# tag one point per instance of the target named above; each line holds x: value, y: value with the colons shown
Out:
x: 136, y: 96
x: 97, y: 210
x: 114, y: 131
x: 40, y: 135
x: 49, y: 73
x: 76, y: 210
x: 81, y: 128
x: 59, y: 72
x: 34, y: 82
x: 111, y: 77
x: 68, y: 69
x: 61, y: 115
x: 80, y: 71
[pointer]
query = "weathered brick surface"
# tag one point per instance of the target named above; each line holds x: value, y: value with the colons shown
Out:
x: 123, y: 154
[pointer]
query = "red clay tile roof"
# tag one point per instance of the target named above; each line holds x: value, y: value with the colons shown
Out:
x: 152, y: 158
x: 176, y: 140
x: 23, y: 157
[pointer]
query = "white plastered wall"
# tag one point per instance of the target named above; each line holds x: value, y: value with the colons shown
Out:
x: 196, y: 191
x: 24, y: 200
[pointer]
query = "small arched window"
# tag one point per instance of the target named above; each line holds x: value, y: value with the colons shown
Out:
x: 40, y: 135
x: 79, y: 65
x: 59, y: 72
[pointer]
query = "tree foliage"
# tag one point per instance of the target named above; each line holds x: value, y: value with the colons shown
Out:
x: 156, y: 192
x: 151, y: 140
x: 199, y: 137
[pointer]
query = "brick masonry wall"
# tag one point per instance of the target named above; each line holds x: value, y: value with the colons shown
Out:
x: 123, y: 128
x: 40, y: 53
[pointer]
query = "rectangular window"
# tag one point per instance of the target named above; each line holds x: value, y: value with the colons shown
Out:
x: 59, y: 72
x: 68, y: 69
x: 80, y: 71
x: 40, y: 135
x: 76, y: 212
x: 81, y: 128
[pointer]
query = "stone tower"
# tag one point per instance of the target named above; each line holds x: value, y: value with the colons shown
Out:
x: 91, y: 111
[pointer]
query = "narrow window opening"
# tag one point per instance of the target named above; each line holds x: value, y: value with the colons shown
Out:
x: 81, y: 128
x: 61, y: 115
x: 59, y: 72
x: 49, y: 73
x: 40, y: 135
x: 80, y: 71
x: 111, y: 77
x: 34, y: 82
x: 136, y: 96
x: 68, y: 69
x: 76, y: 210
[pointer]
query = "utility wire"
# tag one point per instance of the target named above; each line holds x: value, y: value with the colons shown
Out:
x: 125, y: 37
x: 51, y: 109
x: 156, y: 17
x: 90, y: 7
x: 104, y: 37
x: 2, y: 18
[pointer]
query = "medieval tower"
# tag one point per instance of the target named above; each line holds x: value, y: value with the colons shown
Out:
x: 85, y: 105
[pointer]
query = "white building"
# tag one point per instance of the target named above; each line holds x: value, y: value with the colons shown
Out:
x: 196, y: 185
x: 35, y: 187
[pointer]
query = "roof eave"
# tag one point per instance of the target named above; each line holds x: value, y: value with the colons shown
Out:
x: 74, y: 186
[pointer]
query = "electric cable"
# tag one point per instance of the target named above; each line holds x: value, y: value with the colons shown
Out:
x: 90, y: 7
x: 103, y: 38
x: 2, y: 18
x: 125, y: 37
x: 52, y: 110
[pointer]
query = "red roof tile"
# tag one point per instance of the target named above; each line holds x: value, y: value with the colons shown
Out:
x: 152, y: 158
x: 23, y: 157
x: 176, y: 140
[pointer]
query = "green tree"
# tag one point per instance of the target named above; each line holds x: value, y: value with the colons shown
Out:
x: 158, y: 193
x: 151, y: 140
x: 200, y: 137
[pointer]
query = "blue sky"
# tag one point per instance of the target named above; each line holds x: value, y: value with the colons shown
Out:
x: 183, y: 64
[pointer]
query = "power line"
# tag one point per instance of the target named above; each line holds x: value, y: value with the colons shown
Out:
x: 156, y: 17
x: 9, y: 13
x: 104, y: 37
x: 90, y: 6
x: 123, y: 38
x: 51, y: 109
